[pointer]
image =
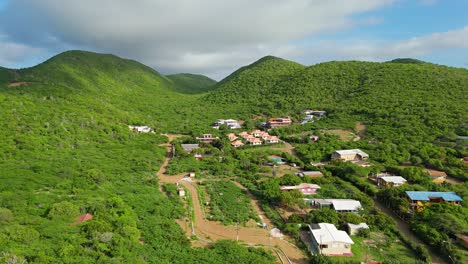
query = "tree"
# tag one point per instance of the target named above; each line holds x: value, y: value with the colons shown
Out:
x: 324, y: 215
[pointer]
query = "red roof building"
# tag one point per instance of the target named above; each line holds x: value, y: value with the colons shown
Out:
x: 83, y: 218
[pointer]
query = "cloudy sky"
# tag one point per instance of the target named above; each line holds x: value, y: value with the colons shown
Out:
x: 215, y: 37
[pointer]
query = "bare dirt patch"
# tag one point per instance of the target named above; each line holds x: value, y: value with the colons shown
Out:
x: 344, y: 135
x: 360, y: 129
x: 17, y: 84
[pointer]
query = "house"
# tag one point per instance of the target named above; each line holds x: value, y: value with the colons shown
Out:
x: 391, y: 181
x: 272, y: 140
x: 264, y: 135
x: 256, y: 133
x: 312, y: 174
x: 189, y: 147
x: 254, y: 141
x: 437, y: 176
x: 230, y: 123
x: 83, y: 218
x: 207, y: 138
x: 181, y: 192
x: 304, y: 188
x: 237, y: 144
x: 279, y: 122
x: 339, y: 205
x: 420, y: 199
x: 354, y: 229
x: 141, y: 129
x: 349, y: 154
x: 329, y: 241
x: 232, y: 137
x: 198, y: 156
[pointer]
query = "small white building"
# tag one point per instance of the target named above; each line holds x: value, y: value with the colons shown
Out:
x: 141, y: 129
x: 328, y: 240
x: 349, y: 155
x: 312, y: 174
x: 272, y: 140
x: 230, y: 123
x: 254, y: 141
x: 391, y: 181
x: 181, y: 192
x: 339, y: 205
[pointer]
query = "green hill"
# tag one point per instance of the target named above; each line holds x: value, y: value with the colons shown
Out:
x: 253, y: 85
x: 406, y: 60
x: 192, y: 83
x: 418, y: 107
x: 66, y: 150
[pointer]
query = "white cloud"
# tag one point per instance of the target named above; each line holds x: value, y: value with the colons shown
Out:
x: 180, y: 35
x: 416, y: 47
x: 11, y: 53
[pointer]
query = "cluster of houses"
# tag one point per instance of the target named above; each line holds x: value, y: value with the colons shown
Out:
x: 230, y: 123
x: 255, y: 138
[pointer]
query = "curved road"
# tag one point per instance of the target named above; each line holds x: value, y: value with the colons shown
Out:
x: 212, y: 231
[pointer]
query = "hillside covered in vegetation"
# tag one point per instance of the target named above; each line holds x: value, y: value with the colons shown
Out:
x: 66, y: 149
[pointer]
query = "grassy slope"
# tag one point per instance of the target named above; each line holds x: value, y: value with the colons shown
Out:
x: 192, y: 83
x: 65, y: 149
x: 251, y: 87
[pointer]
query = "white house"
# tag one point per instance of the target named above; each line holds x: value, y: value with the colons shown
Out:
x: 141, y: 129
x: 391, y: 181
x: 230, y: 123
x: 272, y: 140
x: 339, y: 205
x: 349, y: 155
x: 328, y: 240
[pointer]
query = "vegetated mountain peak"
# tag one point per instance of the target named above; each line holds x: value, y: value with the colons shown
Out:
x: 191, y: 83
x: 407, y: 61
x: 98, y: 61
x: 265, y: 67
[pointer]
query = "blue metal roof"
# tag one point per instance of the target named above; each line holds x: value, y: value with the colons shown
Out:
x: 424, y: 196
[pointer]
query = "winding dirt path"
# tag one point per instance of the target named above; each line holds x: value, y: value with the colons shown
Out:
x: 211, y: 231
x: 406, y: 231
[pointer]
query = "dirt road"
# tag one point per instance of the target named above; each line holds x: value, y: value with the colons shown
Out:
x: 405, y: 229
x: 211, y: 231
